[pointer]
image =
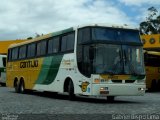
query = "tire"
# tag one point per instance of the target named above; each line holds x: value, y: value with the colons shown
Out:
x: 16, y: 87
x: 110, y: 98
x: 21, y: 87
x: 71, y: 90
x: 3, y: 84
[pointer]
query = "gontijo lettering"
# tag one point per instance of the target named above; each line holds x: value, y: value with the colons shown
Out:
x: 28, y: 64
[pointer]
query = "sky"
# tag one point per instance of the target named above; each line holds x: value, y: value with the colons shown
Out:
x: 20, y: 19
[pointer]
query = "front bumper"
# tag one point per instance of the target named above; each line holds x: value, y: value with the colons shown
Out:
x: 118, y: 89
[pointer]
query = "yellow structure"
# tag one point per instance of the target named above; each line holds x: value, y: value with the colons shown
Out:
x: 152, y: 60
x: 151, y: 42
x: 152, y: 66
x: 5, y: 44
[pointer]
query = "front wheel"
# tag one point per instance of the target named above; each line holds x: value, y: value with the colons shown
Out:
x: 16, y: 87
x: 71, y: 90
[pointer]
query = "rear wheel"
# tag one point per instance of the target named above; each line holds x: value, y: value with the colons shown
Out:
x: 71, y: 90
x: 21, y: 87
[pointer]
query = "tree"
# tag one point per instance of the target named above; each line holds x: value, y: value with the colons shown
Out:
x: 29, y: 38
x: 152, y: 23
x: 152, y: 11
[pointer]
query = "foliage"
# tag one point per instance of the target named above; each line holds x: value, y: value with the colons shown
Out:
x: 152, y: 23
x: 29, y: 38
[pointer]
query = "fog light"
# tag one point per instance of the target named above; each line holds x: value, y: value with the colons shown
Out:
x: 141, y: 89
x: 103, y: 88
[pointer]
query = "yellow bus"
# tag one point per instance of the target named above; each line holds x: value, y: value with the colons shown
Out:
x: 80, y: 61
x: 151, y: 45
x: 152, y: 66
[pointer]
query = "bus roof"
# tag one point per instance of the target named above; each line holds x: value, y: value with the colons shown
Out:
x: 122, y: 26
x: 71, y: 29
x: 43, y: 37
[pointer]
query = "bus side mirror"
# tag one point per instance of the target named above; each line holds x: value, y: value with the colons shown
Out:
x: 91, y: 52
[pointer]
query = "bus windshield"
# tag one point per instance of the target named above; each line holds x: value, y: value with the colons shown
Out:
x: 117, y: 59
x: 113, y: 51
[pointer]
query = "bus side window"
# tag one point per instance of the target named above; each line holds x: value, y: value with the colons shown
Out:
x: 14, y: 53
x: 50, y: 46
x: 84, y: 35
x: 22, y: 52
x: 56, y: 45
x: 67, y: 43
x: 31, y: 50
x: 70, y: 41
x: 41, y: 48
x: 53, y: 45
x: 64, y: 44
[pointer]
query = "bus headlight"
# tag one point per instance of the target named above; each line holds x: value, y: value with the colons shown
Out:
x: 96, y: 80
x: 100, y: 80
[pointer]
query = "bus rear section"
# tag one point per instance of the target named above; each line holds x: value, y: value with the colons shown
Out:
x: 3, y: 70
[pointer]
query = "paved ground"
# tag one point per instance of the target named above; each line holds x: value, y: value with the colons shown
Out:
x: 40, y: 103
